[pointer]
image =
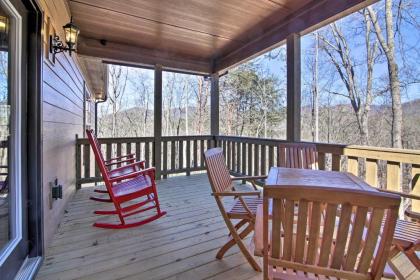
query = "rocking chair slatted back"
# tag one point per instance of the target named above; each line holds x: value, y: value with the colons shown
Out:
x: 217, y: 170
x: 338, y: 246
x: 298, y: 155
x: 98, y: 154
x: 96, y: 147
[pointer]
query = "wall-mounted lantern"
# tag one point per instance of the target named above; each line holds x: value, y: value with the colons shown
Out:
x: 4, y: 33
x: 71, y: 32
x: 100, y: 96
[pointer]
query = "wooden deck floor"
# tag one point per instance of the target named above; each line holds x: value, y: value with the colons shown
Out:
x: 182, y: 245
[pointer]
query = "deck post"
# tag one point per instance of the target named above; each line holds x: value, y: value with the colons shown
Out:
x: 293, y: 88
x: 214, y: 107
x: 157, y: 122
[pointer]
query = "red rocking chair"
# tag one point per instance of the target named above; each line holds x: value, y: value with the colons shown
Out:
x: 126, y: 188
x: 129, y: 161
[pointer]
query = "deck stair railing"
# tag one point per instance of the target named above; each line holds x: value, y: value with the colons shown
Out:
x: 392, y: 169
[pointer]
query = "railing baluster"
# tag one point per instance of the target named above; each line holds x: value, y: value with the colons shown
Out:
x: 108, y: 151
x: 393, y: 176
x: 229, y: 155
x: 243, y: 170
x: 181, y: 155
x: 372, y: 172
x: 165, y: 159
x: 336, y: 163
x: 415, y: 187
x: 147, y: 153
x: 353, y: 165
x: 256, y: 159
x: 270, y: 156
x: 250, y: 150
x: 128, y: 148
x: 138, y: 151
x: 263, y: 161
x: 195, y: 158
x: 238, y: 157
x: 86, y: 160
x: 78, y: 164
x: 321, y: 161
x: 233, y: 167
x: 202, y: 153
x: 118, y: 152
x: 173, y: 165
x: 188, y: 157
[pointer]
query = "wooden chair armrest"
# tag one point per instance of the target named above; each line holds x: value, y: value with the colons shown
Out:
x: 134, y: 164
x: 248, y: 178
x: 149, y: 171
x: 132, y: 155
x: 412, y: 215
x: 237, y: 193
x: 405, y: 195
x: 258, y: 232
x: 131, y: 160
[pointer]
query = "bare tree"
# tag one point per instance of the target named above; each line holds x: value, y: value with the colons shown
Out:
x: 337, y: 49
x: 388, y: 46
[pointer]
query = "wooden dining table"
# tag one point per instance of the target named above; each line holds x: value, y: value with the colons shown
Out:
x: 281, y: 177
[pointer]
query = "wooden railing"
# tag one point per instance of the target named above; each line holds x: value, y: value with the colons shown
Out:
x: 386, y: 168
x: 180, y: 154
x: 392, y: 169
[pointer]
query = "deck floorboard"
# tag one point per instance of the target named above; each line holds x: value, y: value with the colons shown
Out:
x: 181, y: 245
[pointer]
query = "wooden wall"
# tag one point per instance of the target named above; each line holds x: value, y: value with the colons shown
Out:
x: 63, y: 91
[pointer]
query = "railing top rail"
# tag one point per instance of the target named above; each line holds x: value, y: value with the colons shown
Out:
x: 109, y: 140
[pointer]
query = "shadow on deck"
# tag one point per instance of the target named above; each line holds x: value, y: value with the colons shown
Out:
x: 182, y: 245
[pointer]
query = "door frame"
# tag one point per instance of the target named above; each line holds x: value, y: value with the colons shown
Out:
x: 30, y: 244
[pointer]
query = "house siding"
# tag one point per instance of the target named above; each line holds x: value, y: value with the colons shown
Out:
x: 63, y: 91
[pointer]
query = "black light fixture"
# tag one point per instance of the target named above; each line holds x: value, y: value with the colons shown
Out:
x: 4, y: 33
x: 100, y: 96
x: 71, y: 32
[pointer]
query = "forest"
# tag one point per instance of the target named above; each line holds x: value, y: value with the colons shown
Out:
x: 360, y: 85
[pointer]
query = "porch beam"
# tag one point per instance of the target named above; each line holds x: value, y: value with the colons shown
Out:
x: 214, y: 105
x: 129, y: 54
x: 293, y: 88
x: 310, y: 17
x: 157, y: 122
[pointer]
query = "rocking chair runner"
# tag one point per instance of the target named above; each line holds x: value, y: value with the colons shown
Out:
x: 126, y: 188
x: 244, y: 207
x: 129, y: 161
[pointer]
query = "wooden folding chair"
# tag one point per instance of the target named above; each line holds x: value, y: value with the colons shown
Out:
x: 124, y: 191
x: 128, y: 161
x: 297, y: 155
x: 244, y: 205
x: 315, y: 250
x: 407, y: 234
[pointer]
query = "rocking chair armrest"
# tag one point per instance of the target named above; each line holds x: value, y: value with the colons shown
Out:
x: 133, y: 165
x: 132, y: 155
x: 248, y: 178
x: 131, y: 160
x: 405, y: 195
x: 237, y: 193
x: 149, y: 171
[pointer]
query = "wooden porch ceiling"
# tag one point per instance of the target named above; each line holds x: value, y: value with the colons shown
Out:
x: 196, y: 35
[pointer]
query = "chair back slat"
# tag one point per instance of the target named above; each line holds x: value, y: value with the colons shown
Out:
x: 321, y: 231
x: 94, y: 143
x: 217, y: 170
x: 298, y: 155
